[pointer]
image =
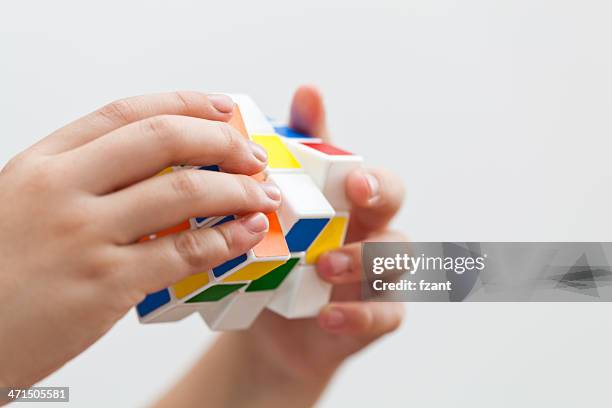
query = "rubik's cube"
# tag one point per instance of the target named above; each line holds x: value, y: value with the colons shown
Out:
x: 279, y: 272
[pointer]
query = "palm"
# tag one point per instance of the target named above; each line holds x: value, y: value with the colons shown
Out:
x: 304, y: 346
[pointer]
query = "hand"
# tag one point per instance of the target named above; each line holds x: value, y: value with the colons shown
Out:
x: 314, y: 347
x: 73, y: 207
x: 280, y: 362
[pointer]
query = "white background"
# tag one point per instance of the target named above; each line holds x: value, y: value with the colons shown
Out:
x: 496, y: 114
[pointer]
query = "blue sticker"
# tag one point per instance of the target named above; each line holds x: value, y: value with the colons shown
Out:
x: 304, y: 232
x: 229, y: 265
x: 214, y: 167
x: 288, y: 132
x: 153, y: 301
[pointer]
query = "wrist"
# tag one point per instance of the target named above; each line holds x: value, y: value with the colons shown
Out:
x: 274, y: 377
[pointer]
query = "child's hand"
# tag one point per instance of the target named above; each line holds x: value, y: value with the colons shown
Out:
x: 314, y: 347
x: 280, y: 362
x: 73, y: 207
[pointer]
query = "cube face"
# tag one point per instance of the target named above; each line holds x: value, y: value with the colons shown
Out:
x: 237, y: 122
x: 190, y: 284
x: 303, y: 294
x: 254, y: 270
x: 286, y: 131
x: 328, y: 166
x: 152, y: 302
x: 261, y: 259
x: 254, y: 120
x: 236, y: 312
x: 304, y: 232
x: 173, y: 314
x: 229, y: 266
x: 273, y: 279
x: 280, y: 157
x: 330, y: 238
x: 215, y: 292
x: 278, y: 272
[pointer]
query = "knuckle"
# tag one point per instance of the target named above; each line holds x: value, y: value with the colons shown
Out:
x: 247, y: 191
x: 187, y: 101
x: 119, y: 111
x: 13, y: 163
x: 226, y: 241
x: 77, y: 219
x: 43, y: 175
x: 100, y: 264
x: 187, y: 185
x: 190, y: 248
x: 160, y: 126
x: 232, y: 141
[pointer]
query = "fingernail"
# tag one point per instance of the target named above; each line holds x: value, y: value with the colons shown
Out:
x: 271, y: 190
x: 334, y: 319
x: 256, y: 223
x: 222, y: 103
x: 259, y: 152
x: 336, y: 264
x: 374, y: 186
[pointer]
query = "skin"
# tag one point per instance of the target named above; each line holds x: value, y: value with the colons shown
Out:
x: 73, y: 206
x: 72, y: 210
x: 279, y: 362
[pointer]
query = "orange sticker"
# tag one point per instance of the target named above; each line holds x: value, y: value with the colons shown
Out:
x: 184, y: 226
x: 237, y: 123
x: 274, y: 243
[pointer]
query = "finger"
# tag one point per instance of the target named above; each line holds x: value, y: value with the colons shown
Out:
x: 141, y: 149
x: 377, y: 196
x: 344, y: 265
x: 162, y: 202
x: 308, y: 112
x: 159, y: 263
x: 125, y: 111
x: 369, y: 320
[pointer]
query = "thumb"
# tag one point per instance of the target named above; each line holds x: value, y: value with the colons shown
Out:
x: 308, y: 112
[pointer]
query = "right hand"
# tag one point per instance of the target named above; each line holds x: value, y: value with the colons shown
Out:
x: 73, y: 206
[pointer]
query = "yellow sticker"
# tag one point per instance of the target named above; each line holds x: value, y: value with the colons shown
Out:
x: 253, y: 271
x: 279, y: 157
x: 331, y: 237
x: 190, y: 284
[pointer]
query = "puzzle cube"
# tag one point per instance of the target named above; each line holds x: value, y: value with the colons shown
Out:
x: 302, y: 294
x: 304, y: 211
x: 279, y: 272
x: 328, y: 166
x: 268, y: 254
x: 289, y: 133
x: 176, y: 302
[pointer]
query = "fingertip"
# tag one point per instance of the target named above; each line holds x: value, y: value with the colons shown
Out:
x: 363, y: 188
x: 222, y: 103
x: 256, y: 223
x: 332, y: 318
x: 333, y: 266
x: 308, y: 111
x: 258, y: 152
x: 347, y: 318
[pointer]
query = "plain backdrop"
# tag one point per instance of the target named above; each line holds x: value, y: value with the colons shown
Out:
x: 495, y: 113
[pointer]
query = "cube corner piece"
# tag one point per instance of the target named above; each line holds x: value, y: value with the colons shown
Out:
x: 253, y: 118
x: 328, y: 166
x: 303, y: 294
x: 269, y: 253
x: 304, y: 211
x: 235, y: 312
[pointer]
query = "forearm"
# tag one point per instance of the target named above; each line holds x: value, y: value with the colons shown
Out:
x: 236, y: 373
